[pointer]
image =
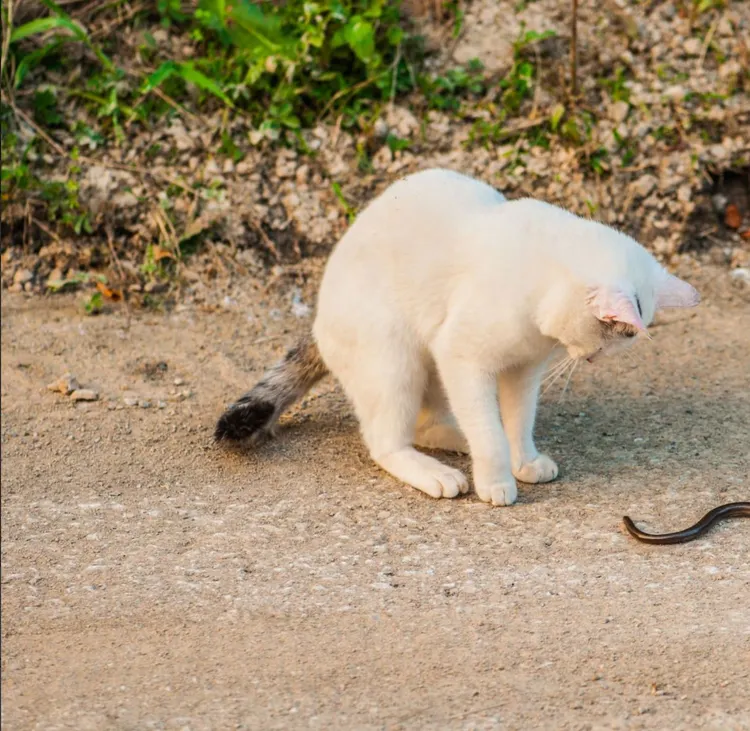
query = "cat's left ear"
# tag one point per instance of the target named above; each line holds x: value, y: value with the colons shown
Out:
x: 672, y: 291
x: 612, y: 304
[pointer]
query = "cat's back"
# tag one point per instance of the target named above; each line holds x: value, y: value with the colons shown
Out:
x: 428, y: 205
x: 432, y: 194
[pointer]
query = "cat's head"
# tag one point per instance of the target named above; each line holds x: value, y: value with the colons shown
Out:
x: 615, y: 300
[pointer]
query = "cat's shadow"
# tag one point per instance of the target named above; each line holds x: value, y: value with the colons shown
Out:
x: 588, y: 435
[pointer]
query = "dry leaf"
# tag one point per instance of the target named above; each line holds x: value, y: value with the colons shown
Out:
x: 159, y: 253
x: 745, y: 234
x: 111, y: 294
x: 732, y: 217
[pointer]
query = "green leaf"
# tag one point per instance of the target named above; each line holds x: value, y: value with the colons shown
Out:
x: 42, y: 25
x: 159, y: 76
x: 360, y: 35
x: 190, y: 75
x: 188, y: 72
x: 395, y: 35
x: 31, y: 60
x: 556, y: 116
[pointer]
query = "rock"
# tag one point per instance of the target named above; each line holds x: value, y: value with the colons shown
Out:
x: 719, y: 203
x: 178, y: 381
x: 65, y: 384
x: 22, y: 276
x: 684, y: 193
x: 380, y: 128
x: 618, y: 111
x: 675, y: 93
x: 124, y: 200
x: 402, y: 121
x: 212, y: 168
x: 130, y: 399
x: 692, y: 46
x: 84, y: 394
x: 741, y: 275
x: 644, y: 185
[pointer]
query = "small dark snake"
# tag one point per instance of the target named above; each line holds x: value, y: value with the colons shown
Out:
x: 730, y: 510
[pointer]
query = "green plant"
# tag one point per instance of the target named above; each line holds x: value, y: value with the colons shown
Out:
x: 445, y: 92
x: 519, y: 82
x: 616, y: 85
x: 626, y: 147
x: 343, y: 202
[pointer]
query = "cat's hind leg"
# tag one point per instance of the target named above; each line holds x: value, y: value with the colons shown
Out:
x: 386, y: 384
x: 436, y: 425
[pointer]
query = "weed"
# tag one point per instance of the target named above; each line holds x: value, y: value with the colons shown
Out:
x: 616, y: 85
x: 447, y: 91
x: 347, y: 207
x: 94, y: 303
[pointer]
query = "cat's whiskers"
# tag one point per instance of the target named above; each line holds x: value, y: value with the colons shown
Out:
x: 568, y: 363
x: 557, y: 370
x: 570, y: 375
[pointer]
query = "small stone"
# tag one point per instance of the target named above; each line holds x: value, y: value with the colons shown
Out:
x: 228, y: 166
x: 22, y: 276
x: 178, y: 381
x: 84, y: 394
x: 741, y: 275
x: 130, y: 399
x: 644, y: 185
x: 161, y: 404
x: 144, y: 404
x: 65, y: 384
x: 155, y: 287
x: 212, y: 167
x: 380, y: 128
x: 675, y: 93
x: 684, y: 193
x: 618, y: 111
x: 719, y: 203
x: 692, y: 46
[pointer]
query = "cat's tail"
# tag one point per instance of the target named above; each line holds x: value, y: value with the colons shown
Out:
x: 254, y: 415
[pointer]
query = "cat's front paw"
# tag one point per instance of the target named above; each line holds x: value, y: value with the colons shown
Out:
x: 498, y: 493
x: 541, y: 469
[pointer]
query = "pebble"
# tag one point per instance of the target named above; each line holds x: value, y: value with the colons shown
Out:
x: 22, y: 276
x: 618, y: 111
x: 692, y: 46
x: 741, y: 274
x: 65, y: 384
x: 644, y: 185
x: 84, y: 394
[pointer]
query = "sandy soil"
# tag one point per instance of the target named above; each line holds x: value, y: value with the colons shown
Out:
x: 151, y: 581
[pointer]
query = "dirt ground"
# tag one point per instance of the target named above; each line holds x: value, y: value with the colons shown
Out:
x: 153, y: 581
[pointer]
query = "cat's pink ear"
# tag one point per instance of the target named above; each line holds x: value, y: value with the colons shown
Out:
x: 614, y: 305
x: 674, y: 292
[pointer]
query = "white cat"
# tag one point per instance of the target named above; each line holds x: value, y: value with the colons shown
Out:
x: 443, y: 296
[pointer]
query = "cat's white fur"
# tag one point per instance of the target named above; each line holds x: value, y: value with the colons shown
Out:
x: 443, y: 295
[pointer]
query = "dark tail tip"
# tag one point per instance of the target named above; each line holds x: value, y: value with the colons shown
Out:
x: 245, y: 420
